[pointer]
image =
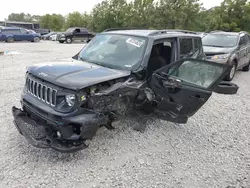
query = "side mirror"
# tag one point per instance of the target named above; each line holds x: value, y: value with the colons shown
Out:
x: 225, y: 87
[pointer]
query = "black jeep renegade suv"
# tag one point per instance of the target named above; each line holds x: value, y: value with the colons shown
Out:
x: 160, y: 72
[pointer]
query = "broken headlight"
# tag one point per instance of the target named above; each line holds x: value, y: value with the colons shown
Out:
x: 70, y: 99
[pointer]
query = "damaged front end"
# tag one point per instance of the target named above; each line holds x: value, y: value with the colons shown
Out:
x: 62, y: 134
x: 44, y: 127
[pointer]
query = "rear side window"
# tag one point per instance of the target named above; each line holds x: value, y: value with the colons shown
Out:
x: 5, y: 31
x: 190, y: 47
x: 14, y: 31
x: 186, y: 47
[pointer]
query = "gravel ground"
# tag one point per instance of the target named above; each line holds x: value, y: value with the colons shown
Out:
x: 211, y: 150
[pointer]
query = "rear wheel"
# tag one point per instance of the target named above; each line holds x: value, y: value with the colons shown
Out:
x: 230, y: 76
x: 10, y: 39
x: 68, y: 40
x: 246, y: 68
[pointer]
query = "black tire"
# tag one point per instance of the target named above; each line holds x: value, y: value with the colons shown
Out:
x: 61, y: 41
x: 226, y: 88
x: 246, y: 68
x: 68, y: 40
x: 36, y: 39
x: 10, y: 40
x: 230, y: 76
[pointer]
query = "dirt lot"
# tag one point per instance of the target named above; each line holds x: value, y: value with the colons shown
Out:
x: 211, y: 150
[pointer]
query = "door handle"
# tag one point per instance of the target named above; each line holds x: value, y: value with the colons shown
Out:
x: 196, y: 97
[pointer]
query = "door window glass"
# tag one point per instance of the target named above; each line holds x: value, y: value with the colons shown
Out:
x: 23, y: 31
x: 77, y: 31
x: 197, y: 47
x: 197, y: 72
x: 246, y: 39
x: 242, y: 41
x: 186, y: 47
x: 15, y: 31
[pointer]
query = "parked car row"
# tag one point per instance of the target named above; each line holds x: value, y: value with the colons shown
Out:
x: 76, y: 34
x: 12, y: 34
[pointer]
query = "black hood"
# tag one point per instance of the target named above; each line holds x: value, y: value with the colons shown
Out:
x: 74, y: 74
x: 217, y: 50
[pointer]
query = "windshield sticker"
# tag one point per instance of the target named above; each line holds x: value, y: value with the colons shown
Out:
x: 134, y: 42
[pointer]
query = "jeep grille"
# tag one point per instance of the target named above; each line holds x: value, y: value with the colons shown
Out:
x: 42, y: 92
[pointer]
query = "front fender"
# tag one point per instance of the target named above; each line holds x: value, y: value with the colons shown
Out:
x: 233, y: 57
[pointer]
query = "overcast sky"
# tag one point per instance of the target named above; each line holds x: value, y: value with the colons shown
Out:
x: 59, y: 7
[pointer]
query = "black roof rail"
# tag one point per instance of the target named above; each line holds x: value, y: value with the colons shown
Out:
x: 171, y: 30
x: 125, y: 28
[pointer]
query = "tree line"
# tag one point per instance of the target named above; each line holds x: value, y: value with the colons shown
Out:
x: 231, y: 15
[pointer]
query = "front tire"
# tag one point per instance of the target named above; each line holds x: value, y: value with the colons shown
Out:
x: 68, y: 40
x: 246, y: 68
x: 230, y: 76
x: 36, y: 39
x: 61, y: 41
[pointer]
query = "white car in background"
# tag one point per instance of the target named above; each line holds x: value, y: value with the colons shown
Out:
x: 53, y: 37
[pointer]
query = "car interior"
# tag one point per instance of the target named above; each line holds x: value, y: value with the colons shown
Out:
x: 161, y: 55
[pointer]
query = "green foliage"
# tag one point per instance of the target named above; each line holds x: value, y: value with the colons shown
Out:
x: 231, y: 15
x: 54, y: 22
x: 74, y: 20
x: 22, y: 17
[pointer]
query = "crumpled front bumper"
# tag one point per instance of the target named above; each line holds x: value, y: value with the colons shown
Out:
x: 38, y: 136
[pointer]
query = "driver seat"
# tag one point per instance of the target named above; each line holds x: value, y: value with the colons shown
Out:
x: 155, y: 61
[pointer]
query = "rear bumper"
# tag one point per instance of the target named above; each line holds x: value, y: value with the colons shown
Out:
x: 46, y: 134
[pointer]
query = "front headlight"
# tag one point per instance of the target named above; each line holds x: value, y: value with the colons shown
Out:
x: 70, y: 99
x: 222, y: 56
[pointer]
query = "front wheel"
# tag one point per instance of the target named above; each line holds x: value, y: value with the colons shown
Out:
x: 246, y: 68
x: 36, y: 39
x: 61, y: 41
x: 68, y: 40
x: 230, y: 76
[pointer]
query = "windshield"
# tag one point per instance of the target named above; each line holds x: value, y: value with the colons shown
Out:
x: 114, y: 51
x: 220, y: 40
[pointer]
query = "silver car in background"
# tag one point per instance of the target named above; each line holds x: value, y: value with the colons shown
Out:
x: 228, y: 48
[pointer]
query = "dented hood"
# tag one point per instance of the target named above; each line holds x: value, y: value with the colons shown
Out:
x: 73, y: 74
